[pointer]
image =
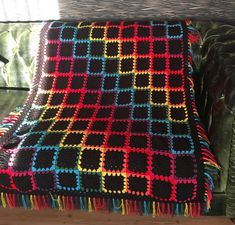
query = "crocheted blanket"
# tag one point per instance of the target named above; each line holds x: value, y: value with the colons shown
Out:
x: 110, y: 123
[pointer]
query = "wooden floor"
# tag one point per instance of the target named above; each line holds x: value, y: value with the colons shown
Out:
x: 55, y: 217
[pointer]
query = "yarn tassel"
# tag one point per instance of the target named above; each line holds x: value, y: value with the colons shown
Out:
x: 199, y: 210
x: 209, y: 161
x: 68, y: 205
x: 158, y: 209
x: 190, y: 209
x: 72, y: 203
x: 24, y: 202
x: 177, y: 209
x: 154, y: 210
x: 99, y: 205
x: 8, y: 200
x: 39, y: 202
x: 209, y: 196
x: 122, y: 207
x: 45, y: 202
x: 168, y: 209
x: 194, y: 35
x: 186, y: 213
x: 3, y: 201
x: 9, y: 121
x: 63, y: 203
x: 89, y: 204
x: 10, y: 197
x: 145, y: 208
x: 94, y: 204
x: 14, y: 197
x: 31, y: 202
x: 36, y: 202
x: 85, y: 205
x: 81, y: 204
x: 60, y: 206
x: 140, y: 209
x: 194, y: 210
x: 53, y: 202
x: 114, y: 206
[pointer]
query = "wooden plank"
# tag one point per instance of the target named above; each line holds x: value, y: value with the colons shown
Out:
x: 20, y: 216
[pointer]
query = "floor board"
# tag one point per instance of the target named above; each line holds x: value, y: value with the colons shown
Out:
x: 21, y: 216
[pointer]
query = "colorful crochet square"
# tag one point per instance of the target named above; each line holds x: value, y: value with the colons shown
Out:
x: 110, y: 123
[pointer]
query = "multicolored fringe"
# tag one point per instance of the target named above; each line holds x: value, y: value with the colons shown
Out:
x: 125, y: 207
x: 209, y: 161
x: 194, y: 35
x: 9, y: 121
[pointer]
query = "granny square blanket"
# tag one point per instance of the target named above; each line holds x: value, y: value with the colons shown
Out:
x: 110, y: 123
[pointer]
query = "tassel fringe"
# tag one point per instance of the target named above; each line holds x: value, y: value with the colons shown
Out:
x: 210, y: 164
x: 124, y: 207
x: 9, y: 121
x: 194, y: 35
